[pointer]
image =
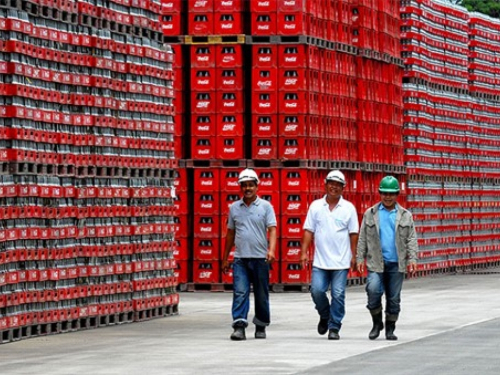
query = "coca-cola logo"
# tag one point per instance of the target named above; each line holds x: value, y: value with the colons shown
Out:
x: 291, y: 81
x: 290, y: 151
x: 291, y: 128
x: 264, y: 151
x: 294, y: 206
x: 291, y: 105
x: 205, y: 274
x: 290, y: 59
x: 228, y: 127
x: 229, y: 150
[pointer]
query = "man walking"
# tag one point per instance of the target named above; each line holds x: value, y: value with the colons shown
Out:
x: 333, y: 223
x: 250, y: 221
x: 388, y: 243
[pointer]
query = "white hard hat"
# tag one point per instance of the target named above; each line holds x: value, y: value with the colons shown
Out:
x: 248, y: 175
x: 335, y: 176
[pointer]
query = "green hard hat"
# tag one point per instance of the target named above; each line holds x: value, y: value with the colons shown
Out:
x: 389, y: 184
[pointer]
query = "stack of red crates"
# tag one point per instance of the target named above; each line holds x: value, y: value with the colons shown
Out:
x: 87, y: 168
x: 217, y: 101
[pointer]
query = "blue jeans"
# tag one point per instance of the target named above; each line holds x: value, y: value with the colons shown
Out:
x: 248, y: 271
x: 336, y: 280
x: 391, y: 282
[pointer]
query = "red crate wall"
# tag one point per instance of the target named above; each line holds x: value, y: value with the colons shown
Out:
x: 72, y: 158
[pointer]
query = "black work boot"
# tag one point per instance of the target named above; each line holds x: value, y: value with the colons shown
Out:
x: 260, y: 332
x: 238, y: 334
x: 378, y: 325
x: 333, y: 334
x: 390, y: 326
x: 323, y: 326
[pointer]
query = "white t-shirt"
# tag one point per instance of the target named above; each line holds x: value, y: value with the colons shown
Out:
x: 331, y: 233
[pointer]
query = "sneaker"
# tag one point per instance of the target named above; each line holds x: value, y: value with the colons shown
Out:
x: 238, y: 334
x: 323, y: 326
x: 260, y: 332
x: 333, y: 334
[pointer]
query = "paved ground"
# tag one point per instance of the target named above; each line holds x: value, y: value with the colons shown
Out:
x: 449, y: 325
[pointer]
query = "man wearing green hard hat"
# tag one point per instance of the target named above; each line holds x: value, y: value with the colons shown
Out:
x: 388, y: 244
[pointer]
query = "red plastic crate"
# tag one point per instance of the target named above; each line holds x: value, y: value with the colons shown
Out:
x: 264, y: 79
x: 230, y: 148
x: 228, y: 23
x: 200, y: 23
x: 264, y: 126
x: 265, y: 102
x: 292, y: 23
x: 293, y: 56
x: 206, y: 179
x: 229, y: 79
x: 203, y: 102
x: 181, y: 204
x: 206, y: 249
x: 292, y: 273
x: 293, y: 125
x: 230, y: 125
x: 269, y: 180
x: 228, y: 5
x: 203, y: 56
x: 295, y: 102
x: 293, y: 79
x: 181, y: 272
x: 206, y: 203
x: 230, y: 102
x: 171, y: 24
x: 203, y: 125
x: 203, y: 147
x: 265, y: 148
x: 180, y: 249
x: 171, y: 5
x: 297, y: 148
x: 297, y: 5
x: 294, y: 204
x: 290, y: 249
x: 291, y: 226
x: 229, y: 180
x: 206, y: 272
x: 264, y: 56
x: 229, y: 56
x: 206, y: 226
x: 203, y: 79
x: 181, y: 226
x: 203, y: 6
x: 264, y: 23
x: 263, y: 6
x: 294, y: 180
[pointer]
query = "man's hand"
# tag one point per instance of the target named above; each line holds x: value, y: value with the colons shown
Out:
x: 225, y: 266
x: 304, y: 261
x: 361, y: 269
x: 412, y: 269
x: 270, y: 257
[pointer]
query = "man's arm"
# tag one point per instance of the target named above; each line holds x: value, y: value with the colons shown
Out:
x: 271, y: 253
x: 306, y: 242
x: 227, y: 250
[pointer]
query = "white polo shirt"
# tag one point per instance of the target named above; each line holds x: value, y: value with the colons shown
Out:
x: 331, y: 233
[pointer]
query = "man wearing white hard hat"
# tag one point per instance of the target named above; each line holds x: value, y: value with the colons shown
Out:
x: 333, y: 223
x: 251, y: 220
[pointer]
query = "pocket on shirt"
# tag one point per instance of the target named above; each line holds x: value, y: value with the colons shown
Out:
x: 341, y: 224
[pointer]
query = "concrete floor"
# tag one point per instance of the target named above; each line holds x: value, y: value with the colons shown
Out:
x: 448, y: 325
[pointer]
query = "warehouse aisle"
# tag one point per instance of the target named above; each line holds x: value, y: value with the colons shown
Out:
x: 197, y: 341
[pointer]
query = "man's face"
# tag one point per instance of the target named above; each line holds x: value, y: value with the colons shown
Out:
x: 334, y: 189
x: 389, y: 199
x: 249, y: 189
